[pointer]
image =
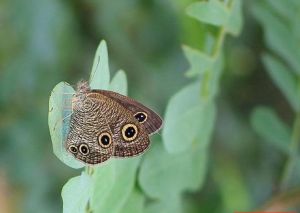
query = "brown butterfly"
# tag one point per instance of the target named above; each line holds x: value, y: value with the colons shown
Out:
x: 106, y: 124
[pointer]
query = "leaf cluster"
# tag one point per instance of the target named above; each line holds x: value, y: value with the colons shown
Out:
x: 281, y: 59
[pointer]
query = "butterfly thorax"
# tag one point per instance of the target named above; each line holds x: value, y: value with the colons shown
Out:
x: 80, y: 97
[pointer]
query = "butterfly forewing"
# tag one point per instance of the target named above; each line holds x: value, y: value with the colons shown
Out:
x: 153, y: 121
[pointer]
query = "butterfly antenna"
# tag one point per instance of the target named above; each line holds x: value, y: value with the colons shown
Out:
x: 67, y: 116
x: 68, y: 93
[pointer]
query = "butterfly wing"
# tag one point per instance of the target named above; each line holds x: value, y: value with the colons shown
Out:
x: 152, y: 123
x: 128, y: 135
x: 124, y: 146
x: 90, y: 138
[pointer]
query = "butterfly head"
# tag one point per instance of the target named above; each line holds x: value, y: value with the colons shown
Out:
x: 83, y: 87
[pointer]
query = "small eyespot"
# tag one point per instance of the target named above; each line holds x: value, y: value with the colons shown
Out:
x: 104, y: 140
x: 141, y: 116
x: 84, y: 149
x: 129, y: 132
x: 73, y: 149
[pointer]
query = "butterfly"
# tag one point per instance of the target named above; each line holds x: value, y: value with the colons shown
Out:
x: 106, y: 124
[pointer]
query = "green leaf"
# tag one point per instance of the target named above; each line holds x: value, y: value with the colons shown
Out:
x: 218, y: 14
x: 59, y: 121
x: 235, y: 20
x: 266, y: 123
x: 99, y: 78
x: 199, y: 61
x: 208, y: 115
x: 211, y: 12
x: 283, y: 8
x: 76, y: 193
x: 232, y: 186
x: 180, y: 126
x: 135, y: 202
x: 120, y: 177
x: 186, y: 118
x: 119, y: 83
x: 284, y: 79
x: 171, y: 204
x: 104, y: 178
x: 163, y: 174
x: 278, y: 36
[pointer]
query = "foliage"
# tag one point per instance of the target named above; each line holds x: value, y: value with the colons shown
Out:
x: 282, y: 63
x: 190, y: 114
x: 163, y: 174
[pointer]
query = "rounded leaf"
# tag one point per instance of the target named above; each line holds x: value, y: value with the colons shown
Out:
x: 59, y: 122
x: 76, y: 193
x: 119, y: 83
x: 163, y: 174
x: 99, y: 78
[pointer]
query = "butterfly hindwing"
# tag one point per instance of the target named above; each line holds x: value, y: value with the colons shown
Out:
x: 135, y: 144
x: 128, y: 135
x: 90, y: 138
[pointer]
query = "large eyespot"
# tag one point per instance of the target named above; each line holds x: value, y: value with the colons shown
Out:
x: 104, y: 139
x: 129, y: 132
x: 141, y: 116
x: 84, y: 149
x: 73, y: 149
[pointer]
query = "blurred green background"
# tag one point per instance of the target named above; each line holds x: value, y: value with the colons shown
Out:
x: 44, y: 42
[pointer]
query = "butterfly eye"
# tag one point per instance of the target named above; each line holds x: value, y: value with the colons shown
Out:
x: 73, y: 149
x: 84, y: 149
x: 141, y: 117
x: 129, y: 132
x: 104, y: 139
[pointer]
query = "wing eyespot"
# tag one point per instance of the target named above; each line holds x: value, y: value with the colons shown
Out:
x: 84, y: 149
x: 104, y: 140
x: 73, y: 149
x: 141, y: 116
x: 129, y: 132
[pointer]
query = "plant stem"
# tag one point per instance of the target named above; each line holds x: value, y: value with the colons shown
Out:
x: 219, y: 43
x: 294, y: 148
x: 89, y: 170
x: 294, y: 145
x: 205, y: 93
